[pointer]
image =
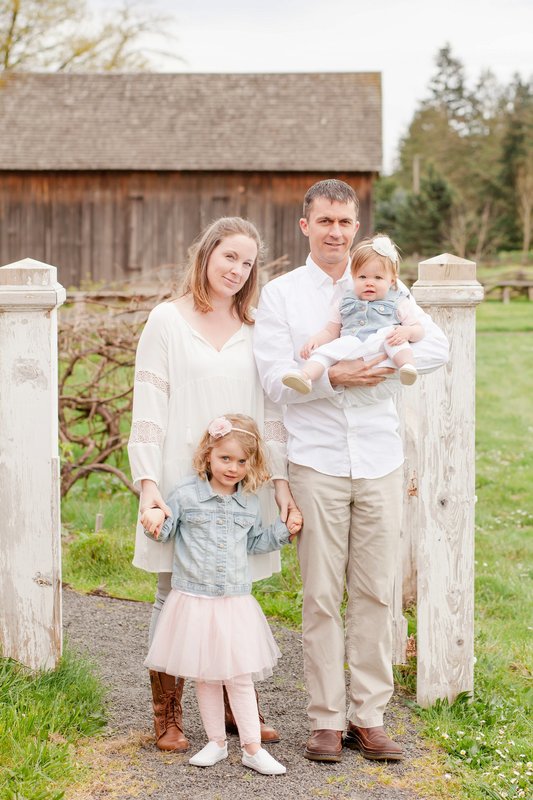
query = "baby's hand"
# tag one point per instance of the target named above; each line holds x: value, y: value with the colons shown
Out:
x: 398, y: 336
x: 152, y: 520
x: 308, y: 348
x: 294, y: 522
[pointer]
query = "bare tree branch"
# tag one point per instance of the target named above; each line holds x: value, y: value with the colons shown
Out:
x: 45, y: 35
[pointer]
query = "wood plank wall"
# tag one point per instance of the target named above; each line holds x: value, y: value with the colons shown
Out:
x: 111, y: 226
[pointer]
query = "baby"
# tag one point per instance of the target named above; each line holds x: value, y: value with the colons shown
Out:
x: 375, y: 314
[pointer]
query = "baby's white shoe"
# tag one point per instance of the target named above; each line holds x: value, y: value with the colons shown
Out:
x: 263, y: 762
x: 296, y: 379
x: 209, y: 755
x: 408, y: 374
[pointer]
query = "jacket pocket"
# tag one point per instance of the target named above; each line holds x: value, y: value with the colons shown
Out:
x: 197, y: 517
x: 243, y: 524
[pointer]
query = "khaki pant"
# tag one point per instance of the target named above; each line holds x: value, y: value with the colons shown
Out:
x: 351, y: 533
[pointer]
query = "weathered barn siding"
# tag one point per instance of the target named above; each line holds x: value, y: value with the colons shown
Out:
x: 111, y: 225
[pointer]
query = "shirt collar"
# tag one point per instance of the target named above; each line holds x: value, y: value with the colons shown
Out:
x: 206, y: 493
x: 320, y: 278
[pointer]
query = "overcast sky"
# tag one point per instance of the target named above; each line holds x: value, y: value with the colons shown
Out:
x: 399, y: 38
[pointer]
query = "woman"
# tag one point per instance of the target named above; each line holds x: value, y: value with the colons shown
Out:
x: 194, y: 362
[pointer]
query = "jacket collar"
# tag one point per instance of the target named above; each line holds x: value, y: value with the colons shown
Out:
x: 206, y: 493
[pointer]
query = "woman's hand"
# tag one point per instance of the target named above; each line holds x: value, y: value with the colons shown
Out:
x: 151, y: 498
x: 152, y: 520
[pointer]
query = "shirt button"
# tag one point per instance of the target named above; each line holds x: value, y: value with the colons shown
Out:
x: 220, y: 569
x: 220, y: 521
x: 361, y: 322
x: 221, y: 544
x: 219, y: 499
x: 381, y: 308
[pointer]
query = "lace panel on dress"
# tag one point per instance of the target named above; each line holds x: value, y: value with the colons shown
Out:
x: 275, y: 432
x: 145, y: 432
x: 143, y: 375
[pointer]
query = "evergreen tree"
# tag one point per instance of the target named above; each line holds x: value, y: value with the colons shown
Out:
x: 448, y: 91
x: 477, y: 141
x: 389, y: 199
x: 424, y: 219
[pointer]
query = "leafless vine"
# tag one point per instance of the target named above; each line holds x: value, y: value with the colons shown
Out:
x: 97, y: 342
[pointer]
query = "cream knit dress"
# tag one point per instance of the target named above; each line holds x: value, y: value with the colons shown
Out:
x: 181, y: 383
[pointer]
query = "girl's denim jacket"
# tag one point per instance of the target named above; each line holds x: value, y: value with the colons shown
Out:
x: 213, y: 535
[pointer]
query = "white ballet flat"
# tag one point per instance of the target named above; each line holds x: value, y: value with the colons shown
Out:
x: 408, y: 374
x: 263, y: 762
x: 209, y: 755
x: 295, y: 379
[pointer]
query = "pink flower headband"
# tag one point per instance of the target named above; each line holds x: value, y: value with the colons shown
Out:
x: 221, y: 426
x: 384, y: 247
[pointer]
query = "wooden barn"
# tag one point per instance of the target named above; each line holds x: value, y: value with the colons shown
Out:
x: 111, y: 176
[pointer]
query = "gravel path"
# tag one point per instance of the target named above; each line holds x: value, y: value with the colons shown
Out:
x: 127, y: 765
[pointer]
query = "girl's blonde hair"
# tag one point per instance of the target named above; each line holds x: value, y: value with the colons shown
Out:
x: 364, y: 252
x: 252, y: 444
x: 196, y: 282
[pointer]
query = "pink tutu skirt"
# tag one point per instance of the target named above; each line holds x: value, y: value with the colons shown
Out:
x: 212, y: 638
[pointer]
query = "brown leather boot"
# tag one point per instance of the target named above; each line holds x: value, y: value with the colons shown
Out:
x: 269, y: 735
x: 166, y: 699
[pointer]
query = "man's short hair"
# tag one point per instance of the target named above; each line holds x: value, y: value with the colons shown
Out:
x: 333, y: 190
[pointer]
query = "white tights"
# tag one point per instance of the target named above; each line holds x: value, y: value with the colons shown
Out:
x: 241, y: 695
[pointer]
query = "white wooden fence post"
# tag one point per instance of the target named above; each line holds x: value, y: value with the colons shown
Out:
x: 30, y: 554
x: 444, y: 467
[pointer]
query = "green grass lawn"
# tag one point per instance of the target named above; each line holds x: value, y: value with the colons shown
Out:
x: 490, y: 739
x: 42, y: 717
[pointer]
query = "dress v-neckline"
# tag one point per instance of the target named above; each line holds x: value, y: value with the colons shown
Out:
x: 201, y: 337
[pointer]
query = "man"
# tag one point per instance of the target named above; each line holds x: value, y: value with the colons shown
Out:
x: 347, y: 481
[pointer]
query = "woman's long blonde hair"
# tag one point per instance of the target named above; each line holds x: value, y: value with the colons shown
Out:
x: 196, y: 282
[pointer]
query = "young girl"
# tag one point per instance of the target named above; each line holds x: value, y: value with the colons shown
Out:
x: 374, y: 315
x: 215, y: 521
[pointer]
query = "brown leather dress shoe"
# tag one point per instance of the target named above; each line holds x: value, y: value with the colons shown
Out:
x: 373, y: 743
x: 324, y: 745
